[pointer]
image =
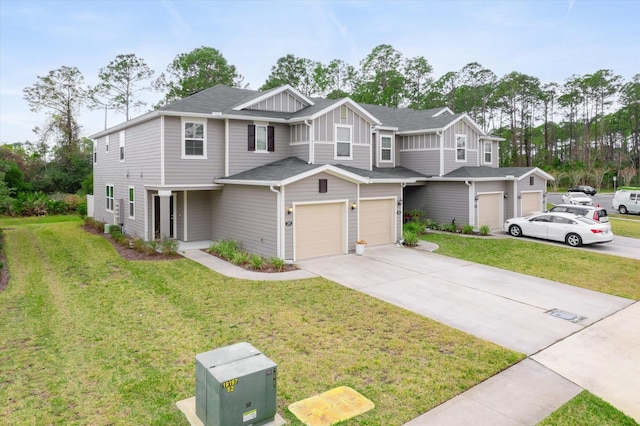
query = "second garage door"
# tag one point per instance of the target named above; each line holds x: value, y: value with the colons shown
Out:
x: 489, y: 208
x: 319, y: 230
x: 377, y: 221
x: 531, y: 202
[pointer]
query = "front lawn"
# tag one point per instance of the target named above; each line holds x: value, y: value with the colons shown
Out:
x: 625, y: 225
x: 87, y: 337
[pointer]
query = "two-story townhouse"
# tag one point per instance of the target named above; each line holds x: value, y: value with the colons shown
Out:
x: 291, y: 176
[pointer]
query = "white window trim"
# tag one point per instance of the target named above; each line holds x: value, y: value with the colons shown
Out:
x: 484, y: 153
x: 106, y: 144
x: 112, y: 198
x: 122, y: 152
x: 456, y: 148
x: 266, y: 141
x: 131, y: 202
x: 335, y: 140
x: 390, y: 149
x: 204, y: 139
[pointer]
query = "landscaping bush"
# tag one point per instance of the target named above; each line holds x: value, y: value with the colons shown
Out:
x: 82, y: 208
x: 277, y: 263
x: 417, y: 227
x: 256, y: 261
x: 484, y: 230
x: 467, y: 229
x: 410, y: 238
x: 431, y: 224
x: 239, y: 257
x: 169, y: 246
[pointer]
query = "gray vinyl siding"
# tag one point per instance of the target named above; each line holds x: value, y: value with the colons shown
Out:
x: 241, y: 159
x: 494, y: 154
x: 323, y: 126
x: 142, y: 149
x: 282, y: 102
x: 386, y: 190
x: 325, y: 154
x: 180, y: 170
x: 449, y: 141
x: 441, y: 201
x: 307, y: 190
x: 426, y: 162
x: 300, y: 150
x: 246, y: 214
x: 299, y: 133
x: 198, y: 215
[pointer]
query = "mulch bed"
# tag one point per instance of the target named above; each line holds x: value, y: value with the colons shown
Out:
x: 266, y: 268
x: 129, y: 253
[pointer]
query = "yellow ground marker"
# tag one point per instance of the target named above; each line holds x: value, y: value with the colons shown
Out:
x: 331, y: 407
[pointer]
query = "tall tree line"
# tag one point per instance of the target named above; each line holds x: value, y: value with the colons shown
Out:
x: 589, y: 123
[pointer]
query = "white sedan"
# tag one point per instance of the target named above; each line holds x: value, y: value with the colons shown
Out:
x: 579, y: 198
x: 573, y: 229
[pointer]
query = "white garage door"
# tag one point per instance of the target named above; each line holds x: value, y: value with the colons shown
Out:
x: 377, y: 221
x: 319, y: 230
x: 489, y: 208
x: 531, y: 202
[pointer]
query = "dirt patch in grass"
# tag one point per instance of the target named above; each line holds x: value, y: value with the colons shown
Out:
x: 129, y: 253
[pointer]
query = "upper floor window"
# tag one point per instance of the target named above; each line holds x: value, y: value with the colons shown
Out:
x: 343, y: 142
x: 461, y: 148
x: 487, y: 152
x: 343, y: 113
x: 261, y: 138
x: 122, y: 141
x: 194, y: 140
x: 109, y: 198
x: 95, y: 152
x: 106, y: 144
x: 385, y: 148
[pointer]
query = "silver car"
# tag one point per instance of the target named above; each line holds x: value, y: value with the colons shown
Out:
x: 578, y: 198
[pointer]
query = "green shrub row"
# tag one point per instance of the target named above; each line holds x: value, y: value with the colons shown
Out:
x: 230, y: 251
x: 164, y: 246
x: 417, y: 225
x: 40, y: 204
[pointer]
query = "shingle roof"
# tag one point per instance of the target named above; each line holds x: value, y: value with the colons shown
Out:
x: 488, y: 172
x: 384, y: 172
x: 218, y: 98
x: 407, y: 119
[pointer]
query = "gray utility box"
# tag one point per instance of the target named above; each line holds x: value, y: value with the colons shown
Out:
x: 235, y: 385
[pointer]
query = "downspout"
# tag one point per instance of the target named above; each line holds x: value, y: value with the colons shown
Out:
x: 439, y: 134
x: 400, y: 216
x: 472, y: 203
x: 279, y: 221
x: 162, y: 150
x: 226, y: 147
x: 311, y: 154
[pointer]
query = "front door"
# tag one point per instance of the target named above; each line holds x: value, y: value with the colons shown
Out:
x: 156, y: 217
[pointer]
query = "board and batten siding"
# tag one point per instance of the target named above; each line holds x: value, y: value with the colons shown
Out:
x: 385, y: 190
x: 282, y: 102
x: 299, y: 133
x: 180, y: 170
x: 323, y: 126
x: 307, y: 190
x: 241, y: 159
x: 140, y: 166
x: 248, y: 215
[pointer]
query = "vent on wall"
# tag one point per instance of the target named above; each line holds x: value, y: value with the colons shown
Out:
x: 322, y: 185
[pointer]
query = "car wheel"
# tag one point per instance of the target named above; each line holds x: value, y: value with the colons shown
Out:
x: 623, y: 210
x: 574, y: 240
x: 515, y: 231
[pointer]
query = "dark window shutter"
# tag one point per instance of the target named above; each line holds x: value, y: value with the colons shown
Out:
x: 271, y: 143
x: 252, y: 137
x: 322, y: 184
x: 530, y: 180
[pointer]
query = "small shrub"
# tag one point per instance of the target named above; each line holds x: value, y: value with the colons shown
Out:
x: 114, y: 230
x: 151, y: 247
x: 72, y: 202
x: 484, y: 230
x: 417, y: 214
x: 169, y: 246
x: 82, y: 208
x: 410, y: 238
x: 239, y: 257
x: 467, y: 229
x: 431, y: 224
x: 224, y: 248
x: 416, y: 227
x: 256, y: 261
x: 277, y: 263
x: 138, y: 244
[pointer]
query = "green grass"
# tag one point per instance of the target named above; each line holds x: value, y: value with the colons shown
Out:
x: 87, y: 337
x: 587, y: 409
x: 37, y: 220
x: 625, y: 225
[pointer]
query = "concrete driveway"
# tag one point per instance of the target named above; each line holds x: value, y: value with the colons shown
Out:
x: 578, y: 339
x: 510, y: 309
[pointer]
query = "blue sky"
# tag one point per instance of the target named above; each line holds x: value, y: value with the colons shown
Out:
x: 551, y: 40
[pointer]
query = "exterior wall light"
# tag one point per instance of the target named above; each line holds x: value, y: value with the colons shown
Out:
x: 354, y: 206
x: 290, y: 210
x: 506, y: 195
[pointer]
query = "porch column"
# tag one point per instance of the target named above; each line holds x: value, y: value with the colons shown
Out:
x: 165, y: 213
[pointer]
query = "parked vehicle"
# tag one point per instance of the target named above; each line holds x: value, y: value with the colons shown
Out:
x: 627, y: 200
x: 589, y: 190
x: 573, y: 229
x: 579, y: 198
x: 599, y: 214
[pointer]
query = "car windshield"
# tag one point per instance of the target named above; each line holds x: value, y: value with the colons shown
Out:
x: 578, y: 194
